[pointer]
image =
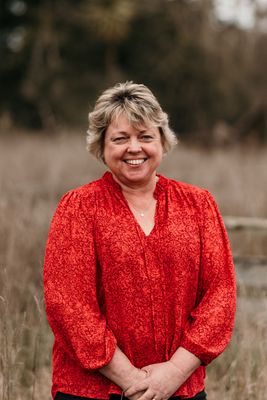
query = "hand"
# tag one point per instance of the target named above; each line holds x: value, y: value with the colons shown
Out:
x: 136, y: 376
x: 161, y: 382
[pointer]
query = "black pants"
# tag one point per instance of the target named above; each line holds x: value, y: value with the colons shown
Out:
x: 63, y: 396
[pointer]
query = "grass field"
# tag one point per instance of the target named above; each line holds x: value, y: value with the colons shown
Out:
x: 35, y: 171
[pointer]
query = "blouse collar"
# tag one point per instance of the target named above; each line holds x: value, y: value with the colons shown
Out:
x: 160, y: 185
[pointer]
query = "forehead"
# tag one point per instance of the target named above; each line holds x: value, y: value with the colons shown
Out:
x: 122, y: 123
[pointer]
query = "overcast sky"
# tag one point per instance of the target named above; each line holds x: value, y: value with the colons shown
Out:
x: 241, y: 11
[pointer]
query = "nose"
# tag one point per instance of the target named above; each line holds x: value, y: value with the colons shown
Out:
x: 134, y: 146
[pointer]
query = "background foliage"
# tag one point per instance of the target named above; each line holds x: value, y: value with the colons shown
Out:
x: 55, y: 58
x: 33, y: 176
x: 58, y: 56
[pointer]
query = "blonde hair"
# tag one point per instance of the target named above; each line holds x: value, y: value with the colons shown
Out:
x: 138, y: 103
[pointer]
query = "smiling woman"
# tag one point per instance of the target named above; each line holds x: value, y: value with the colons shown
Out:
x: 132, y: 153
x: 137, y: 104
x: 138, y: 276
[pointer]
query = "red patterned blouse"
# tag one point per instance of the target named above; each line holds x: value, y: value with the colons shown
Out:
x: 107, y: 283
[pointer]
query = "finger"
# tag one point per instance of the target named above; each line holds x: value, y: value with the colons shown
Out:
x: 148, y: 395
x: 136, y: 396
x: 147, y: 370
x: 137, y: 387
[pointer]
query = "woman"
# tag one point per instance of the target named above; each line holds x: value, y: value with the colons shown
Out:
x: 138, y: 276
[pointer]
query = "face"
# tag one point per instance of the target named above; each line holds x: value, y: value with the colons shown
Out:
x: 132, y: 153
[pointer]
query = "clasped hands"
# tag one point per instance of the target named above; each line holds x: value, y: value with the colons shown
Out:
x: 155, y: 382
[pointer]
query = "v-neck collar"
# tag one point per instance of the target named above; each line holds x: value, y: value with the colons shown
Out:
x: 159, y: 188
x: 160, y: 185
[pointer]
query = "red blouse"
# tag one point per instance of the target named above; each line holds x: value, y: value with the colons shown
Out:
x: 107, y: 283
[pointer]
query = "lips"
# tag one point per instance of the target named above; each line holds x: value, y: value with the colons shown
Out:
x: 135, y: 161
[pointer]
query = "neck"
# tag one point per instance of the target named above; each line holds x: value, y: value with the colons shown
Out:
x: 136, y: 189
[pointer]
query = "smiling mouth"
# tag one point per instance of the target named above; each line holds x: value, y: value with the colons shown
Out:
x: 135, y: 162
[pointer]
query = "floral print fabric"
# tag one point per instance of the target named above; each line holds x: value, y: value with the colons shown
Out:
x: 106, y: 283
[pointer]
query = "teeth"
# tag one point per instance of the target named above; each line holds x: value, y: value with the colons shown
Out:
x: 135, y: 162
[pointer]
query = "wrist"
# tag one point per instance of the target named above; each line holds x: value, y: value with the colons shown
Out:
x: 119, y: 370
x: 131, y: 377
x: 177, y: 370
x: 185, y: 361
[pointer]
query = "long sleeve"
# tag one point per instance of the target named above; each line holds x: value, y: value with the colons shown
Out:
x: 210, y: 324
x: 70, y: 285
x: 108, y: 284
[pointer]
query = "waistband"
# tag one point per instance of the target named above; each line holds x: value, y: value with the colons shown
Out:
x: 64, y: 396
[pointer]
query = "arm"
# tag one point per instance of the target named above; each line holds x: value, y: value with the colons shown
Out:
x: 185, y: 362
x: 70, y: 285
x: 165, y: 378
x: 210, y: 324
x: 120, y: 370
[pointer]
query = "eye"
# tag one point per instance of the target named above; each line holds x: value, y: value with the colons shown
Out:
x: 119, y: 139
x: 146, y: 138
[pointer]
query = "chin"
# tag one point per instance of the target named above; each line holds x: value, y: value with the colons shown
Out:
x: 138, y: 178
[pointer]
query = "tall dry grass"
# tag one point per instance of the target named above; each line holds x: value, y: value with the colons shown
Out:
x: 35, y: 171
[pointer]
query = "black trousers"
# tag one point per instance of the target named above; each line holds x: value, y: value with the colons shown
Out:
x: 63, y: 396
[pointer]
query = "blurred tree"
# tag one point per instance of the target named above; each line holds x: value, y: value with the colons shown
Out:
x: 109, y: 21
x: 170, y: 52
x: 31, y: 50
x: 40, y: 83
x: 58, y: 56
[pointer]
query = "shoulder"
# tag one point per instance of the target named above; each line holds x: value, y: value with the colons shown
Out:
x: 185, y: 187
x: 188, y: 192
x: 85, y: 192
x: 189, y: 197
x: 80, y: 199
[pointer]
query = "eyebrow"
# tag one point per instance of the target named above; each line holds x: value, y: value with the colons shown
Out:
x: 126, y: 133
x: 120, y: 133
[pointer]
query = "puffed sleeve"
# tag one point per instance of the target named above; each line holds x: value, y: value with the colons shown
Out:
x: 70, y: 285
x: 211, y: 322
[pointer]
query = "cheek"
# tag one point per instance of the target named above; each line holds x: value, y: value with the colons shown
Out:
x: 107, y: 154
x: 112, y: 153
x: 159, y: 151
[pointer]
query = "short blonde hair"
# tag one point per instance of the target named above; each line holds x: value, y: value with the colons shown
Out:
x: 138, y: 103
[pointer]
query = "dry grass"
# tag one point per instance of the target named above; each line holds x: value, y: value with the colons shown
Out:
x: 35, y: 171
